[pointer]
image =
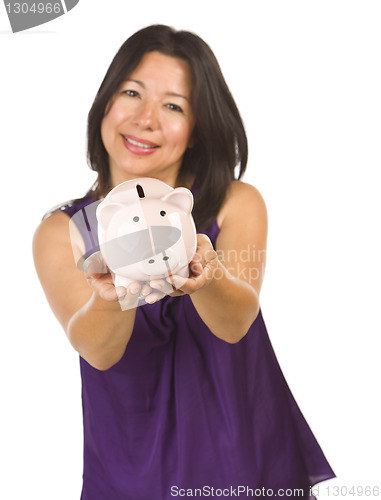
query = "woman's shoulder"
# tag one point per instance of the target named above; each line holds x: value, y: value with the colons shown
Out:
x: 241, y: 198
x: 71, y: 207
x: 51, y: 238
x: 55, y: 227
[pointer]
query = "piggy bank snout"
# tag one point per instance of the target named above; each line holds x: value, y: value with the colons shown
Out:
x: 158, y: 239
x: 160, y: 263
x: 163, y: 258
x: 141, y: 246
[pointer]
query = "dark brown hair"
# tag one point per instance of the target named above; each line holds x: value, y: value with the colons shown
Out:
x: 220, y: 138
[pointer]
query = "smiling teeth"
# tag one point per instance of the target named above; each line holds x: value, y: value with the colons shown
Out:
x: 139, y: 144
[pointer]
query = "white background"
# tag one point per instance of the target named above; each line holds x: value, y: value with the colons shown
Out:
x: 306, y: 77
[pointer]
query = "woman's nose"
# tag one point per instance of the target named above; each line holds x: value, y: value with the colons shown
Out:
x: 147, y: 115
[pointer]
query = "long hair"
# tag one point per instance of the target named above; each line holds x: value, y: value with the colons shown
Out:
x: 220, y: 143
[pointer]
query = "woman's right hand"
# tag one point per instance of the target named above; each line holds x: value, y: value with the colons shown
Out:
x: 100, y: 279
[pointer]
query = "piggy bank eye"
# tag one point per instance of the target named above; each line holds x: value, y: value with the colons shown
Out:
x: 136, y: 218
x: 162, y: 213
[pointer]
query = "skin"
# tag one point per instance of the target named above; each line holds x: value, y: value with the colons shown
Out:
x: 224, y: 284
x: 153, y: 105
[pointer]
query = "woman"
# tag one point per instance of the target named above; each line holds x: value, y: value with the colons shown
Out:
x: 183, y: 392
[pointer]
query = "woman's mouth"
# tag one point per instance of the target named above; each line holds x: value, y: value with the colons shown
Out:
x: 139, y: 146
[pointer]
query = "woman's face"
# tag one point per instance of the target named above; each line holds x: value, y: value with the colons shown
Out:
x: 150, y: 121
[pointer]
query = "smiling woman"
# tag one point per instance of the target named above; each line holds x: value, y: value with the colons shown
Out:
x: 149, y: 124
x: 183, y: 390
x: 218, y: 137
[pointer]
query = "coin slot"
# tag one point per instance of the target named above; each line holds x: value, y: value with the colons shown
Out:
x: 140, y: 191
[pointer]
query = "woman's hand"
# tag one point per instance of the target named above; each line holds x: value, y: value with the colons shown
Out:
x: 202, y: 269
x: 99, y: 278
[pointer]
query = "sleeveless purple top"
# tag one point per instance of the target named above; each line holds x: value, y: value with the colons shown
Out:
x: 184, y: 413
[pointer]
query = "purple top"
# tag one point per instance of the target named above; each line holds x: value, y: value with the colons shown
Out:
x: 184, y: 409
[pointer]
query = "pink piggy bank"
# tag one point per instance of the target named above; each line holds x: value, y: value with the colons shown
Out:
x: 146, y: 231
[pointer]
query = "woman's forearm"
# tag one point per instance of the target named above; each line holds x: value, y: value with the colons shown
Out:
x: 100, y: 331
x: 228, y: 305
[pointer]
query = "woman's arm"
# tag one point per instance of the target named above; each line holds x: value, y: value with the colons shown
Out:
x: 91, y: 315
x: 226, y: 291
x: 228, y: 305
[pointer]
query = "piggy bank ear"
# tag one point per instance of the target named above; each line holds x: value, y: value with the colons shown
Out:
x: 181, y: 198
x: 106, y: 210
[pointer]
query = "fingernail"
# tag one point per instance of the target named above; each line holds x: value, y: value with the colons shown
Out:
x: 89, y: 268
x: 134, y: 289
x: 174, y: 282
x: 120, y: 291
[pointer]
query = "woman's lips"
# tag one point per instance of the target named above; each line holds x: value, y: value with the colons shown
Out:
x: 139, y: 146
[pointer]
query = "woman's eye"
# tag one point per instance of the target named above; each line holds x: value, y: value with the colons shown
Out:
x: 174, y: 107
x: 131, y: 93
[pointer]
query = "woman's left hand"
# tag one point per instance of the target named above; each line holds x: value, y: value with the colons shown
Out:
x: 202, y: 269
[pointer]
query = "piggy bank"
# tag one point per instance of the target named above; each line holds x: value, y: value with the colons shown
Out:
x: 146, y: 231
